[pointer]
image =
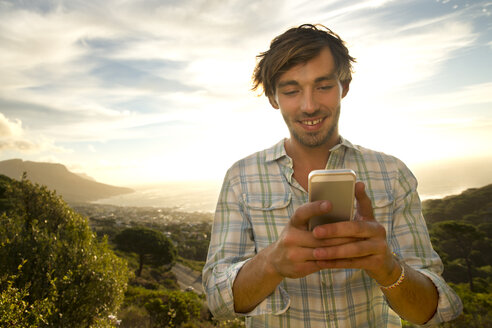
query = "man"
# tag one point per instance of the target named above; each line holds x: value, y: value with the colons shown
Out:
x: 264, y: 264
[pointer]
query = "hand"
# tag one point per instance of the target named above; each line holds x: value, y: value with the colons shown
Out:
x: 368, y: 249
x: 292, y: 255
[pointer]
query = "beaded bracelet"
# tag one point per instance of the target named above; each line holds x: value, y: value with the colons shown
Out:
x: 397, y: 282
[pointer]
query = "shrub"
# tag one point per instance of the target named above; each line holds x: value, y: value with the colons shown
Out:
x: 61, y: 261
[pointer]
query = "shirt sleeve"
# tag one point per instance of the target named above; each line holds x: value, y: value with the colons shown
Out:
x: 410, y: 240
x: 231, y: 246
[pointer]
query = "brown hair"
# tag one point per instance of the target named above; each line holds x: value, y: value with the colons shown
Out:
x: 299, y: 45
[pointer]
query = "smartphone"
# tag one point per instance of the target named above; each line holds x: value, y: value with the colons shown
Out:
x: 337, y: 186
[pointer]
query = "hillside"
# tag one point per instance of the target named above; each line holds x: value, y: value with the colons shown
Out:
x: 473, y: 205
x: 72, y: 187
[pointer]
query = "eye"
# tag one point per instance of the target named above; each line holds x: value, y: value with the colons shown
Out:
x: 325, y: 87
x: 290, y: 92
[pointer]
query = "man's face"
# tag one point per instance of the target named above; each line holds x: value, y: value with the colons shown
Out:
x: 308, y: 96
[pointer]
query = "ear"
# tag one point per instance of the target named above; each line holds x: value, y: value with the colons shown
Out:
x: 273, y: 102
x: 345, y: 88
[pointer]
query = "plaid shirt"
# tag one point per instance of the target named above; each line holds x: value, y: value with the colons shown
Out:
x: 258, y: 197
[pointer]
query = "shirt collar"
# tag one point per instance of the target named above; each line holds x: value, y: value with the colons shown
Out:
x: 345, y: 143
x: 278, y: 150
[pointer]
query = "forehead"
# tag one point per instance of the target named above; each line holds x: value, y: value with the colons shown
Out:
x: 320, y: 66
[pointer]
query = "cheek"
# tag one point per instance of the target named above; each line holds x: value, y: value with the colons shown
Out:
x: 288, y: 106
x: 292, y: 102
x: 330, y: 100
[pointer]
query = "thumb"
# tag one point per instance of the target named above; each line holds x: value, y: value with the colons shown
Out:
x: 305, y: 212
x: 364, y: 205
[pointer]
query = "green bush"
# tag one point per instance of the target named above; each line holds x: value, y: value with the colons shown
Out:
x: 477, y: 308
x: 166, y: 308
x: 62, y: 261
x: 134, y: 316
x: 15, y: 310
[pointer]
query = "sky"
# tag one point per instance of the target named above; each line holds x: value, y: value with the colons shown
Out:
x: 133, y: 92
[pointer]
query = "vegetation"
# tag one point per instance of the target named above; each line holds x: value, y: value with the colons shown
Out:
x: 15, y: 309
x: 461, y: 231
x: 477, y: 312
x: 53, y: 271
x: 464, y: 248
x: 473, y: 206
x: 165, y: 308
x: 152, y: 246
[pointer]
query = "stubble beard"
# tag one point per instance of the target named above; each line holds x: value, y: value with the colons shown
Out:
x: 315, y: 139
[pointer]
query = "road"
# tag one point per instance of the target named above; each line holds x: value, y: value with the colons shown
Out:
x: 188, y: 277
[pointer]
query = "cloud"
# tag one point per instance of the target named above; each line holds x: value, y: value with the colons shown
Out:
x: 80, y: 73
x: 470, y: 96
x: 13, y: 137
x: 410, y: 55
x: 9, y: 128
x: 103, y: 69
x: 11, y: 134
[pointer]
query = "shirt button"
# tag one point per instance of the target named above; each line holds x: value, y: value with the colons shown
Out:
x: 331, y: 316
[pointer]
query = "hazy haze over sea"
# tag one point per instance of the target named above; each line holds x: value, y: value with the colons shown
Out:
x: 436, y: 180
x: 183, y: 196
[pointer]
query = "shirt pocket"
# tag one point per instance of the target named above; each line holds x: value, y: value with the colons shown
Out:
x: 268, y: 215
x: 383, y: 205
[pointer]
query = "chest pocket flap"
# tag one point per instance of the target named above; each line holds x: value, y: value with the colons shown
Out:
x: 266, y: 202
x: 268, y: 214
x: 382, y: 200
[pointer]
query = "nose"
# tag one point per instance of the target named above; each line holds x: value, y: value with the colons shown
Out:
x: 309, y: 104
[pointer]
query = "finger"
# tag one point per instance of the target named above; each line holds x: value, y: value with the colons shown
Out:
x: 350, y: 263
x: 367, y: 263
x: 304, y: 238
x: 358, y: 249
x: 364, y: 205
x: 326, y: 242
x: 305, y: 212
x: 300, y: 255
x: 350, y: 229
x: 294, y: 237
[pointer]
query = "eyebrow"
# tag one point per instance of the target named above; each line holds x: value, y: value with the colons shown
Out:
x: 328, y: 77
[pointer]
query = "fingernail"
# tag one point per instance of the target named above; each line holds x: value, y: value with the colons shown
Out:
x: 324, y: 206
x: 319, y: 231
x: 318, y: 253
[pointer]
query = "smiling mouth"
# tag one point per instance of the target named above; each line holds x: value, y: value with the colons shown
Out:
x: 312, y: 122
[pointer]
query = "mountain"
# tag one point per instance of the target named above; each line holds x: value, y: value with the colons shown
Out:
x: 473, y: 205
x: 72, y: 187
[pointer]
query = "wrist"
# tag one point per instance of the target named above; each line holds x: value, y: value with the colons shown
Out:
x: 396, y: 277
x: 390, y: 272
x: 269, y: 263
x: 397, y: 282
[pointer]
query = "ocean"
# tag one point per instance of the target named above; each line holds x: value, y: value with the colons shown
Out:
x: 436, y: 180
x: 181, y: 196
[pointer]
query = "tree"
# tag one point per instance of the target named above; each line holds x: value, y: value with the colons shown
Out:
x: 151, y: 246
x: 458, y: 240
x: 51, y: 260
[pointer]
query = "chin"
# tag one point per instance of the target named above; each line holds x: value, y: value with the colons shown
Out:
x: 314, y: 139
x: 311, y: 141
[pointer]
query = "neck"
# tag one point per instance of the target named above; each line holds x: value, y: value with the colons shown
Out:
x: 309, y: 158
